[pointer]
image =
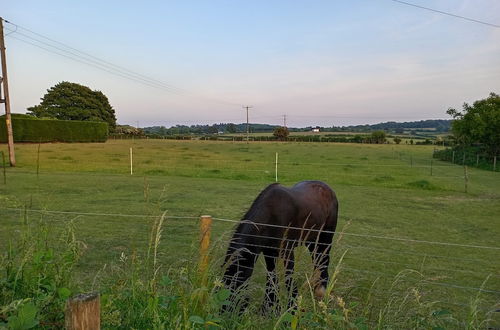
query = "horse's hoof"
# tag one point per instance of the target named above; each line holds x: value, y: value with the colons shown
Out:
x: 319, y: 292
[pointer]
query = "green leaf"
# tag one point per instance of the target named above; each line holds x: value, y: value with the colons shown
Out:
x: 25, y: 318
x: 222, y: 295
x: 441, y: 312
x: 196, y: 319
x: 287, y: 317
x: 64, y: 293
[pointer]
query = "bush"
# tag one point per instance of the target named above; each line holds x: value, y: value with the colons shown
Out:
x: 53, y: 130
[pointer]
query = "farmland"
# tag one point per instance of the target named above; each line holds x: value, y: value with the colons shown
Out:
x: 407, y: 224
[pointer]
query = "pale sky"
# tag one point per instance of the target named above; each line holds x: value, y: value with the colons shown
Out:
x: 336, y: 62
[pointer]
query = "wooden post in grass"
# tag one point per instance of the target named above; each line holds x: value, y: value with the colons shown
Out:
x: 494, y: 163
x: 131, y: 168
x: 466, y: 178
x: 276, y: 168
x: 38, y: 158
x: 3, y: 166
x: 83, y: 312
x: 205, y: 229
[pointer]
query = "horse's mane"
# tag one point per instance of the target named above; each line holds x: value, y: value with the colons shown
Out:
x: 256, y: 203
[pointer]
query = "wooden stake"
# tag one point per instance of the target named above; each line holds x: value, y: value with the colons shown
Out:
x: 205, y: 229
x: 276, y: 168
x: 83, y: 312
x: 131, y: 163
x: 3, y: 165
x: 466, y: 178
x: 38, y: 159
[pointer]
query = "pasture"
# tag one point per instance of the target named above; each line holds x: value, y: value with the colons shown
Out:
x: 412, y: 246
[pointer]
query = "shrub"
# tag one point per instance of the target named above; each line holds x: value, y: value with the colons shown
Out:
x: 53, y: 130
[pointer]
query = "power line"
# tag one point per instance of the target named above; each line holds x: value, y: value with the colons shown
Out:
x: 53, y: 46
x: 446, y: 13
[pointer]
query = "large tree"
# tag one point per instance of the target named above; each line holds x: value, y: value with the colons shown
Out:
x: 281, y: 133
x: 479, y: 123
x: 71, y: 101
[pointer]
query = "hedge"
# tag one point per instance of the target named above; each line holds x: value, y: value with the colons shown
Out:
x: 53, y: 130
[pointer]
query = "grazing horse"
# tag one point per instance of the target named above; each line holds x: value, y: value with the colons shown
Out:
x: 280, y: 219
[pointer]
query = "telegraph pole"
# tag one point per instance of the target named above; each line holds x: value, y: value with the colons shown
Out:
x: 6, y: 98
x: 248, y: 126
x: 284, y: 120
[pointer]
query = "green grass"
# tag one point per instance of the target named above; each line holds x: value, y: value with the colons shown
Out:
x: 384, y: 190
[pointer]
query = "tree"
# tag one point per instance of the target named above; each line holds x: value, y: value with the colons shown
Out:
x: 71, y: 101
x: 397, y: 140
x: 231, y: 128
x: 378, y: 137
x: 281, y: 133
x: 479, y: 123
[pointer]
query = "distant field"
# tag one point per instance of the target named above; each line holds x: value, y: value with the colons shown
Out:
x: 385, y: 191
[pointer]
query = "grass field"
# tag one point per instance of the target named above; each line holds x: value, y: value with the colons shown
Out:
x: 385, y: 192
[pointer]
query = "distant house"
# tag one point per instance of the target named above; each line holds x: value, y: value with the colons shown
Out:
x: 315, y: 129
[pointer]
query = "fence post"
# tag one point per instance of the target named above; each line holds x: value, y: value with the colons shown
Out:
x: 131, y: 170
x: 466, y: 178
x: 3, y: 165
x: 205, y: 229
x: 83, y: 312
x: 494, y: 163
x: 431, y: 167
x: 276, y: 168
x: 38, y: 158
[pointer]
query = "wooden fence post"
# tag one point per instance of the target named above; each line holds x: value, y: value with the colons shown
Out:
x: 276, y: 168
x: 466, y: 178
x: 131, y: 162
x: 495, y: 163
x: 205, y: 229
x: 83, y: 312
x: 3, y: 165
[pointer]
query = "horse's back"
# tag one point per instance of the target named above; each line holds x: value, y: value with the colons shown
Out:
x: 318, y: 202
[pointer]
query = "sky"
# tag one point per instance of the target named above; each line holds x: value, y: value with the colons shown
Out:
x: 326, y: 63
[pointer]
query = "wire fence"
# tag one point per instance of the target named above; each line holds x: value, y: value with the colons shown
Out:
x: 341, y: 247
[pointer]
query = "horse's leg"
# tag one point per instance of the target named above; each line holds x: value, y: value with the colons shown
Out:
x: 320, y: 252
x: 271, y: 298
x: 291, y: 286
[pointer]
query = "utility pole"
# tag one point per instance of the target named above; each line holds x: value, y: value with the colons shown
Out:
x: 6, y: 98
x: 248, y: 126
x: 284, y: 121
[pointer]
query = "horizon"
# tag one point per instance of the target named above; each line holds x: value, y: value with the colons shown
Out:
x: 320, y: 64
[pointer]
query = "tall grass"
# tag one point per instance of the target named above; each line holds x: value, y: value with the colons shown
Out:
x: 138, y: 291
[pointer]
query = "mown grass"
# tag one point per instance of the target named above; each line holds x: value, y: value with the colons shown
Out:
x: 384, y: 190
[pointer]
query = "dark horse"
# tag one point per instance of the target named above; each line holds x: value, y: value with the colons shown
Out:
x: 279, y: 219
